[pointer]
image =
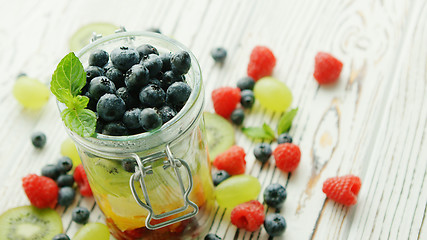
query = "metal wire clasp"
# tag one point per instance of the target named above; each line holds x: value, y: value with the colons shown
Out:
x: 144, y: 168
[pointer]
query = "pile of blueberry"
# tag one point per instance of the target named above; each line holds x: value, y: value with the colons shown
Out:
x: 136, y: 90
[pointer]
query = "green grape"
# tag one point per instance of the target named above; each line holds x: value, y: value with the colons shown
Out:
x: 93, y: 231
x: 273, y: 94
x: 69, y: 149
x: 30, y: 92
x: 236, y: 190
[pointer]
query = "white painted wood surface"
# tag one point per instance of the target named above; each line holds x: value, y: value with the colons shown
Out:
x: 372, y: 124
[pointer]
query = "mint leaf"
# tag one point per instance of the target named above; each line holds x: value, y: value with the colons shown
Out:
x: 78, y: 102
x: 80, y: 121
x: 267, y: 129
x: 68, y: 79
x: 258, y: 133
x: 285, y: 121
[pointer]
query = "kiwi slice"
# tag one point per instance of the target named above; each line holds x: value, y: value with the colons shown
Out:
x: 83, y: 35
x: 220, y: 134
x: 30, y: 223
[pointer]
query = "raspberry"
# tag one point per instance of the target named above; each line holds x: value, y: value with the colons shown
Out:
x: 81, y: 179
x: 343, y: 189
x: 327, y: 68
x: 261, y: 62
x: 41, y: 191
x: 232, y: 161
x: 249, y: 215
x: 287, y: 156
x: 225, y: 100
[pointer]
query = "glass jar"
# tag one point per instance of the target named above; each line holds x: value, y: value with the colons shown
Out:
x: 170, y: 195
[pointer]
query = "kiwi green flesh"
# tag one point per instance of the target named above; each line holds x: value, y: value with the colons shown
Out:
x: 83, y: 35
x: 30, y: 223
x: 220, y: 134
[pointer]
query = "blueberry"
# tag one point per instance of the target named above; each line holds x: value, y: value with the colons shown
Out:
x: 124, y: 58
x: 274, y: 224
x: 38, y: 139
x: 247, y: 98
x: 61, y: 236
x: 219, y: 176
x: 166, y: 113
x: 237, y: 116
x: 100, y: 86
x: 80, y: 215
x: 212, y: 236
x: 99, y: 125
x: 129, y: 165
x: 65, y: 180
x: 154, y: 29
x: 136, y: 77
x: 127, y: 97
x: 93, y: 72
x: 110, y: 107
x: 219, y: 54
x: 51, y: 171
x: 166, y: 61
x: 131, y: 118
x: 284, y: 138
x: 152, y: 96
x: 246, y: 83
x: 262, y: 152
x: 181, y: 62
x: 169, y: 78
x: 116, y: 76
x: 149, y: 119
x: 92, y: 102
x: 155, y: 81
x: 145, y: 50
x: 66, y: 196
x: 178, y: 94
x: 64, y: 164
x: 275, y: 195
x: 98, y: 58
x: 153, y: 63
x: 115, y: 129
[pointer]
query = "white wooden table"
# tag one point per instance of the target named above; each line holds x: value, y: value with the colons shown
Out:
x: 372, y: 124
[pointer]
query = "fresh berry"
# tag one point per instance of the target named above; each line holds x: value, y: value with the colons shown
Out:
x: 130, y: 100
x: 178, y: 94
x: 219, y: 176
x: 225, y: 100
x: 152, y: 96
x: 41, y: 191
x: 153, y: 63
x: 237, y: 116
x: 247, y: 99
x: 181, y: 62
x: 343, y: 189
x: 232, y: 161
x: 64, y: 164
x: 65, y: 181
x: 166, y: 61
x: 166, y: 113
x: 66, y: 196
x: 155, y: 81
x: 219, y: 54
x: 170, y: 77
x: 92, y: 102
x: 212, y: 236
x: 93, y: 72
x: 327, y: 68
x: 100, y: 86
x: 110, y: 107
x: 129, y: 165
x: 145, y: 50
x: 149, y: 119
x: 98, y: 58
x: 38, y: 139
x: 136, y: 77
x: 80, y: 215
x: 261, y: 62
x: 81, y: 179
x: 116, y: 76
x: 287, y: 156
x: 51, y: 171
x: 131, y: 118
x: 274, y: 224
x: 275, y: 195
x: 115, y: 129
x: 262, y: 152
x: 249, y: 215
x: 124, y: 58
x: 246, y: 83
x: 284, y: 138
x: 61, y: 236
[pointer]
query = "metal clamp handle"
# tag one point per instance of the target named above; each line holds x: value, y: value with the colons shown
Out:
x: 143, y: 170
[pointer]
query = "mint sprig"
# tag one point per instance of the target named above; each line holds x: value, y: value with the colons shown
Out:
x: 67, y: 82
x: 264, y: 133
x: 285, y: 121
